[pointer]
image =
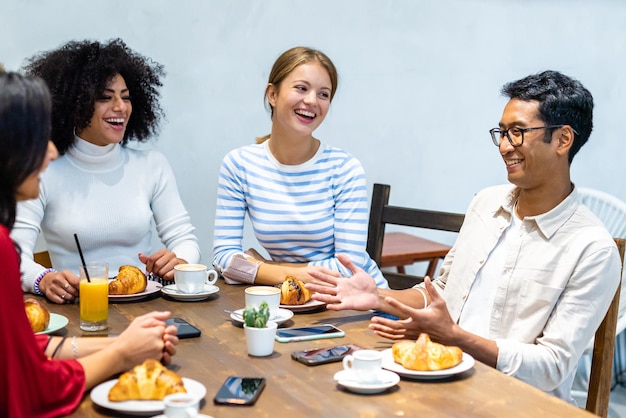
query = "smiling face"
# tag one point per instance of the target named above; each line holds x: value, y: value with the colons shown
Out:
x: 29, y: 189
x: 532, y: 165
x: 301, y: 101
x: 111, y: 113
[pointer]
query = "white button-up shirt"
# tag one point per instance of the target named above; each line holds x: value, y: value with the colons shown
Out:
x: 557, y: 281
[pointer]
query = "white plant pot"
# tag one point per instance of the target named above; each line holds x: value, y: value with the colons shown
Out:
x: 260, y: 341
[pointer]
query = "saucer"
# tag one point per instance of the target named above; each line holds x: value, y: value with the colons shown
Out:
x: 197, y: 416
x: 346, y: 379
x: 283, y: 315
x: 171, y: 291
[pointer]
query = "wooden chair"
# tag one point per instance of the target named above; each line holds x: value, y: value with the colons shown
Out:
x: 602, y: 358
x: 43, y: 258
x: 381, y: 214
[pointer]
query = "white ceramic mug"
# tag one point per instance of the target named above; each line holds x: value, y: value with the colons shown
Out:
x: 257, y: 294
x: 366, y: 365
x: 181, y: 405
x: 191, y: 278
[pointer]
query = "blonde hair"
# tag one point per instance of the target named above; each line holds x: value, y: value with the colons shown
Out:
x: 289, y: 61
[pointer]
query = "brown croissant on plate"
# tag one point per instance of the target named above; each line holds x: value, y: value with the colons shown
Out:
x: 37, y: 313
x: 425, y: 355
x: 129, y: 281
x: 147, y: 381
x: 293, y: 292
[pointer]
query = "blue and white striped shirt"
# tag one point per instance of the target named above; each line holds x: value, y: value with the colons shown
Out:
x: 303, y: 213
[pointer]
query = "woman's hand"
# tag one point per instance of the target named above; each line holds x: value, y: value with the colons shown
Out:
x: 161, y: 263
x: 147, y: 337
x: 60, y: 287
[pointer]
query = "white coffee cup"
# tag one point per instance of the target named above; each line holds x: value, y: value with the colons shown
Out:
x: 181, y: 405
x: 366, y: 365
x: 191, y: 278
x: 257, y: 294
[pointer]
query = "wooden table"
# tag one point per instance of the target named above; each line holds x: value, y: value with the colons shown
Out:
x: 296, y: 390
x: 401, y: 249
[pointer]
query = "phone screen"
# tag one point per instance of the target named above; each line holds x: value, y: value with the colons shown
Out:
x: 324, y: 355
x: 240, y: 390
x: 308, y: 333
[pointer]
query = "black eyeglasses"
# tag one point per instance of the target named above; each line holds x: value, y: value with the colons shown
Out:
x: 515, y: 135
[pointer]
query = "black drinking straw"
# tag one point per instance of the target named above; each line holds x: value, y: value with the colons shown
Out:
x: 82, y: 258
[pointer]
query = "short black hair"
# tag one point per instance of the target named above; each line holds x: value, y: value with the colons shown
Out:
x: 562, y: 101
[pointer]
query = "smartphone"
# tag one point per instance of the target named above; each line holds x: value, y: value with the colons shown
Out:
x: 317, y: 332
x: 324, y: 355
x: 185, y: 329
x: 240, y: 390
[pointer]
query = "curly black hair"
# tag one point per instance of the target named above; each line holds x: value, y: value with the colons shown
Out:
x: 77, y: 74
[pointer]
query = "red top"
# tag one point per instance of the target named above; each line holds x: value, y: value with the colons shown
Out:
x: 31, y: 385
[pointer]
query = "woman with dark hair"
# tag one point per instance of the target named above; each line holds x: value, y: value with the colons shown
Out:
x: 58, y: 372
x: 307, y: 201
x: 104, y: 96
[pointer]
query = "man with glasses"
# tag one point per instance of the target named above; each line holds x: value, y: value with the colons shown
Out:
x: 532, y: 272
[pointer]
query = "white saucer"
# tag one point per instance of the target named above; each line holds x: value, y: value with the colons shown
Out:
x: 283, y: 315
x: 171, y: 291
x: 198, y: 416
x: 346, y: 379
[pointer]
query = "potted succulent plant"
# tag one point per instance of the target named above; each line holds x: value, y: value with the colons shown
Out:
x: 260, y: 332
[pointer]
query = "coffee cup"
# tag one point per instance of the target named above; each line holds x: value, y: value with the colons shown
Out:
x: 365, y: 365
x: 255, y: 295
x: 181, y: 405
x: 191, y: 278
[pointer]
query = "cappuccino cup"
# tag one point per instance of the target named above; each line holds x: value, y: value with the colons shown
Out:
x: 191, y: 278
x: 366, y: 365
x: 257, y: 294
x: 181, y: 405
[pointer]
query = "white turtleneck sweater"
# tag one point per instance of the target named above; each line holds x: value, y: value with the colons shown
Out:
x: 109, y: 196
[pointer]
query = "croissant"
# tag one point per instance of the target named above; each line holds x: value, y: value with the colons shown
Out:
x: 425, y: 355
x: 130, y: 280
x: 147, y: 381
x: 293, y: 292
x: 37, y: 313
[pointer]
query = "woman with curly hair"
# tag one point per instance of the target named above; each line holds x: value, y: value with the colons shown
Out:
x: 59, y: 372
x: 104, y: 96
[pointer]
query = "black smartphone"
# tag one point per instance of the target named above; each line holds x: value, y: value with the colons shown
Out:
x: 324, y: 355
x: 285, y: 335
x: 240, y: 390
x: 185, y: 329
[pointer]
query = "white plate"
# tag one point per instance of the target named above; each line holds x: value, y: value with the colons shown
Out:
x: 197, y: 416
x: 171, y: 291
x: 56, y: 323
x: 311, y: 305
x: 100, y: 396
x: 151, y: 288
x: 283, y: 315
x: 466, y: 363
x: 346, y: 379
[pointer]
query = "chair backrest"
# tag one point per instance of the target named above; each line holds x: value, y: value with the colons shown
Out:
x: 602, y: 358
x: 43, y: 258
x: 381, y: 214
x: 610, y: 209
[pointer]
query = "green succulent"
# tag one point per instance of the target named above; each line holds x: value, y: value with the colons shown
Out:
x: 257, y: 318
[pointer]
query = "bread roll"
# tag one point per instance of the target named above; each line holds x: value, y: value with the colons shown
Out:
x: 38, y: 314
x: 425, y: 355
x: 293, y: 292
x: 147, y: 381
x: 129, y: 280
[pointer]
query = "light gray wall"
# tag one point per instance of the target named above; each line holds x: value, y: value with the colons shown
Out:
x: 419, y: 80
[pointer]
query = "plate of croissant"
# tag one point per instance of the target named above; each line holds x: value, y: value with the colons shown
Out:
x: 425, y: 359
x: 131, y: 284
x: 297, y: 298
x: 141, y: 390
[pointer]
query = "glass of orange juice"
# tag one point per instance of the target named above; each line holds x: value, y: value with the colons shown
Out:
x: 94, y: 296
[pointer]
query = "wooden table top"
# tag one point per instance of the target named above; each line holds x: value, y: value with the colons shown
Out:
x: 400, y: 248
x: 294, y: 389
